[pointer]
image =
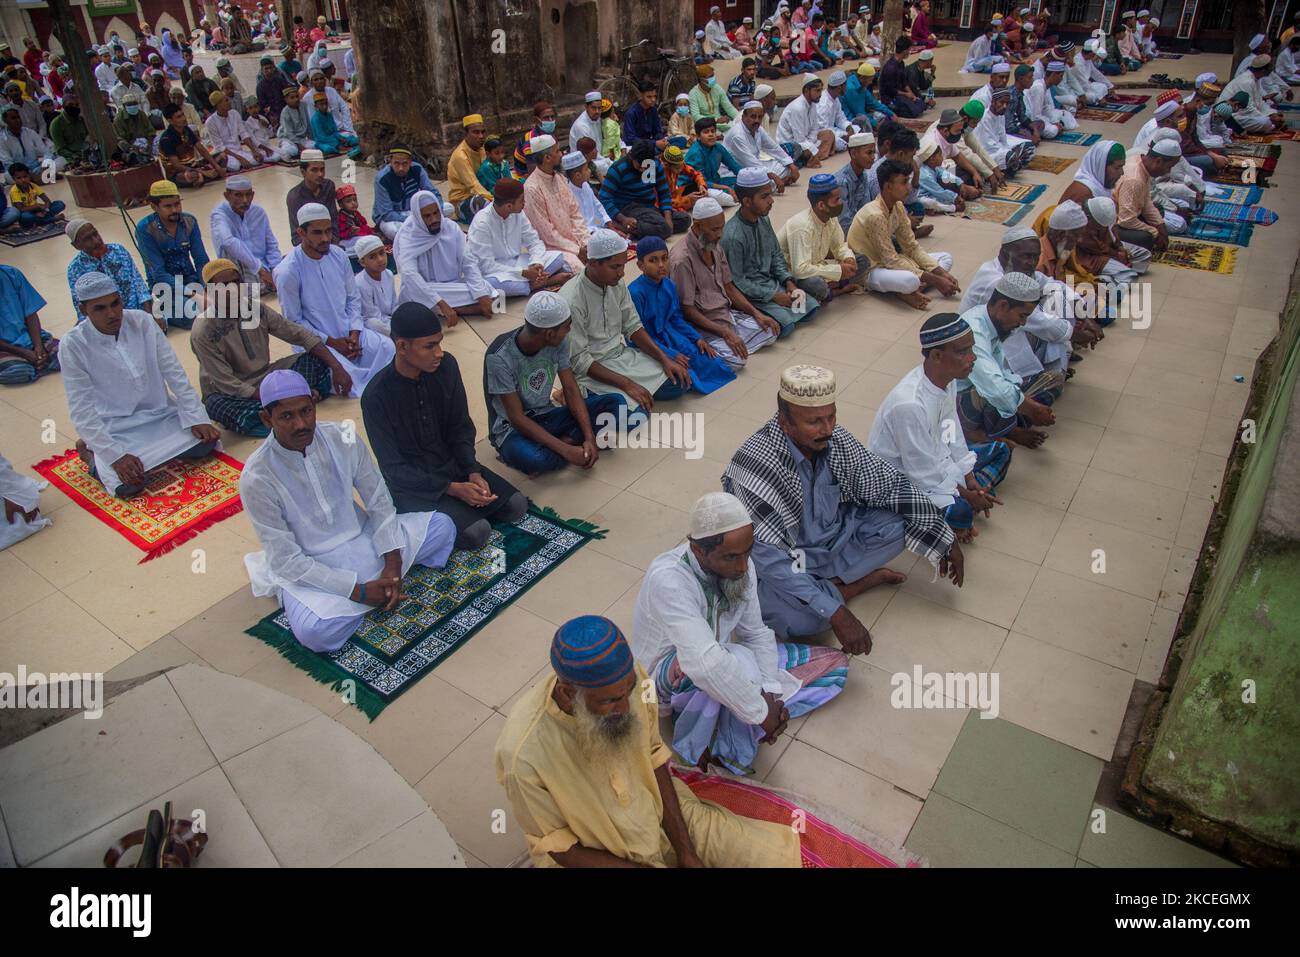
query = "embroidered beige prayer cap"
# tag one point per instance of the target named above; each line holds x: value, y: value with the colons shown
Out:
x: 808, y: 385
x: 716, y: 513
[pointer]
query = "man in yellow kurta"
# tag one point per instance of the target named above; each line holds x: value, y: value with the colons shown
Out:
x: 815, y: 248
x: 465, y: 192
x: 587, y: 774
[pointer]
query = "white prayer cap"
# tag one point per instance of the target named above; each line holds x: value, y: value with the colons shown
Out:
x: 1167, y: 147
x: 74, y: 227
x: 747, y: 20
x: 1256, y: 40
x: 311, y: 156
x: 1023, y: 11
x: 1102, y: 209
x: 133, y: 52
x: 751, y: 105
x: 540, y: 144
x: 926, y: 149
x: 1017, y: 233
x: 593, y: 96
x: 807, y: 385
x: 93, y: 285
x: 716, y: 513
x: 572, y: 161
x: 238, y: 182
x: 1067, y: 215
x: 762, y: 91
x: 1206, y: 78
x: 367, y: 245
x: 546, y: 310
x: 1001, y: 68
x: 752, y: 176
x: 1020, y: 287
x: 311, y: 213
x: 837, y: 78
x: 1155, y: 22
x: 861, y: 139
x: 1056, y: 66
x: 699, y: 34
x: 706, y: 208
x: 1144, y: 13
x: 809, y: 79
x: 683, y: 96
x: 1166, y: 109
x: 605, y: 243
x: 1260, y: 60
x: 925, y: 55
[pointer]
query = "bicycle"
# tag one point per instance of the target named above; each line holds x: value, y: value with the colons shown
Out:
x: 674, y: 75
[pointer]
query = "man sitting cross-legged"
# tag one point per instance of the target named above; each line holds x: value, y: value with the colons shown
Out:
x: 528, y: 432
x: 234, y: 352
x: 729, y: 323
x: 510, y: 254
x: 27, y: 351
x: 917, y: 431
x: 241, y: 231
x: 417, y: 419
x: 993, y: 402
x: 590, y: 723
x: 129, y: 398
x: 171, y: 246
x: 436, y: 265
x: 698, y: 631
x: 882, y: 232
x: 319, y: 290
x: 828, y: 515
x: 759, y: 268
x: 813, y: 244
x: 326, y: 558
x: 611, y: 349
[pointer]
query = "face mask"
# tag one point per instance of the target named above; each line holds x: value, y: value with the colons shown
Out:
x: 952, y: 137
x: 132, y: 109
x: 1203, y: 111
x: 684, y: 110
x: 713, y: 81
x: 547, y: 126
x: 72, y: 111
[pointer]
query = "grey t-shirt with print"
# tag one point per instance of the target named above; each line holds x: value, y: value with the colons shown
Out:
x: 506, y: 369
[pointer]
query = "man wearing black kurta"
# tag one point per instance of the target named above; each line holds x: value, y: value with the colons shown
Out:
x: 418, y: 423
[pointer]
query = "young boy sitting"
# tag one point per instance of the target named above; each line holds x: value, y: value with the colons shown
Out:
x: 941, y: 190
x: 495, y: 166
x: 528, y: 432
x: 578, y: 171
x: 659, y: 306
x: 34, y: 207
x: 352, y: 222
x: 263, y: 134
x: 375, y: 283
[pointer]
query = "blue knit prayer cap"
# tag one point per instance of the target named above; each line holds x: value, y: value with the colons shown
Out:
x: 821, y: 184
x: 649, y: 244
x: 590, y: 652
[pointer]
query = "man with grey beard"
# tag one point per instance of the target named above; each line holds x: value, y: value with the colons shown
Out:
x: 718, y: 670
x: 587, y: 774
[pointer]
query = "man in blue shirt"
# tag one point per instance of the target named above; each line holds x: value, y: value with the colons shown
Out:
x: 641, y: 120
x: 637, y: 186
x: 26, y: 350
x: 395, y: 184
x: 173, y: 252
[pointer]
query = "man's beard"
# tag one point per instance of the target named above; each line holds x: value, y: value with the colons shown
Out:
x: 709, y: 244
x: 1064, y: 251
x: 434, y: 230
x: 605, y: 740
x: 734, y: 591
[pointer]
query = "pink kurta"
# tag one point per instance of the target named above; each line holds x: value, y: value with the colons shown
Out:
x: 551, y: 208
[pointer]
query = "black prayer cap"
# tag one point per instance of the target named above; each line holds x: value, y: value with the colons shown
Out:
x: 414, y: 320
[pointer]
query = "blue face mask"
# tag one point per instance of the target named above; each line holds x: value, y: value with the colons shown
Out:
x: 547, y: 126
x: 684, y: 110
x: 1203, y: 111
x: 132, y: 109
x: 713, y: 81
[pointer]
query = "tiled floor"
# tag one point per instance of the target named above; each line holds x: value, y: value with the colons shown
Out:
x: 1131, y: 470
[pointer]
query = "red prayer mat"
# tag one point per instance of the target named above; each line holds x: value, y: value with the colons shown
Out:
x: 820, y: 844
x: 183, y: 497
x: 1127, y: 97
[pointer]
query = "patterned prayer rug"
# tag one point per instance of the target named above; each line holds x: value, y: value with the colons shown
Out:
x: 183, y: 497
x: 1019, y: 192
x: 444, y: 608
x: 1099, y: 115
x: 33, y: 234
x: 1230, y: 213
x: 919, y: 124
x: 1204, y: 256
x: 1240, y: 195
x: 1277, y: 136
x: 1215, y: 231
x: 1051, y: 164
x: 1125, y: 99
x: 821, y: 844
x: 1168, y: 56
x: 1077, y: 138
x: 989, y: 210
x: 1257, y: 149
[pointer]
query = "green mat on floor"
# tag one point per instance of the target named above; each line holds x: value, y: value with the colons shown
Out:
x: 443, y: 609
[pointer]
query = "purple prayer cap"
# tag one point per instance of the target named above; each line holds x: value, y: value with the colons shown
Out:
x: 282, y: 384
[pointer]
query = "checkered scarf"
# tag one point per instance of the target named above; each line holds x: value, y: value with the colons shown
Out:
x: 762, y: 475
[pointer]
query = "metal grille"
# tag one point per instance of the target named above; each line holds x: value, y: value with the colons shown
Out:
x: 1083, y: 11
x: 1216, y: 15
x: 945, y: 9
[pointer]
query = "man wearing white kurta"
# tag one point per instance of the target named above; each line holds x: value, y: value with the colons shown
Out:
x: 1010, y: 153
x: 1096, y: 86
x: 231, y: 144
x: 1256, y: 116
x: 698, y: 632
x: 801, y: 125
x: 752, y: 146
x: 510, y: 254
x: 241, y: 232
x: 1041, y: 106
x: 715, y: 31
x: 830, y: 112
x: 21, y: 499
x: 435, y: 264
x: 326, y: 558
x: 588, y: 123
x: 129, y: 398
x: 317, y: 289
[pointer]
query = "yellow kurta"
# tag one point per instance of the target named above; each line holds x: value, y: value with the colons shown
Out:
x: 813, y: 248
x: 462, y: 174
x: 560, y: 802
x: 875, y: 230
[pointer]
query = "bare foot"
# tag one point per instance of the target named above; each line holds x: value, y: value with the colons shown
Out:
x: 923, y: 231
x: 881, y: 576
x: 1030, y: 438
x: 916, y: 300
x: 965, y: 535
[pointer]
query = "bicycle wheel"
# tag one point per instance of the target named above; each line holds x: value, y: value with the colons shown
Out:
x: 620, y: 91
x: 672, y: 87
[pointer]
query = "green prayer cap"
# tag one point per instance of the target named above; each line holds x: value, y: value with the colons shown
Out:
x: 1116, y: 154
x: 974, y: 109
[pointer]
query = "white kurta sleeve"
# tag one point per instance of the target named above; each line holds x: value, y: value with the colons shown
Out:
x: 919, y: 451
x: 283, y: 553
x: 225, y: 242
x: 188, y: 403
x: 533, y: 243
x: 84, y: 408
x: 375, y: 498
